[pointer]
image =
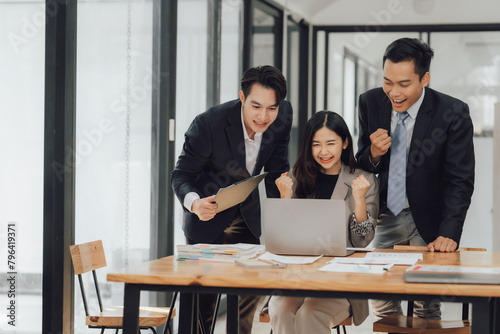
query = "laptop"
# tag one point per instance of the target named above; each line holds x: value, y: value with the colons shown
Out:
x: 305, y: 226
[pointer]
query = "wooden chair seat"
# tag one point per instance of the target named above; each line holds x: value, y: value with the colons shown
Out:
x: 113, y: 317
x: 402, y: 324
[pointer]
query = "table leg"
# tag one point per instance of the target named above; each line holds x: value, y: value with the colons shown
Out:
x: 495, y: 315
x: 232, y: 314
x: 131, y: 309
x: 188, y: 313
x: 481, y: 317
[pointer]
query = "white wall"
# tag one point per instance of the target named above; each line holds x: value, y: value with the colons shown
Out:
x: 478, y: 227
x: 496, y: 178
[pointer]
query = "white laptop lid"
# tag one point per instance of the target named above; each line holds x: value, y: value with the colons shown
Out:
x: 305, y: 226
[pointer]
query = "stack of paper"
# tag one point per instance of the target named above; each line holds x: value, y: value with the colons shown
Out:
x: 222, y: 253
x: 373, y: 263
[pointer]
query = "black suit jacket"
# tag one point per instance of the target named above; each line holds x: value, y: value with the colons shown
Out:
x: 440, y: 165
x: 213, y: 157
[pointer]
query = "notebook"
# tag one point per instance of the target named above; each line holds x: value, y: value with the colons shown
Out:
x: 305, y: 226
x: 452, y: 275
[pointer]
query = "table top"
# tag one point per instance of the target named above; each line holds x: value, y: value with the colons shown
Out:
x: 169, y: 271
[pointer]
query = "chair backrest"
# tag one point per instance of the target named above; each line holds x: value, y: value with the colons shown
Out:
x: 87, y: 257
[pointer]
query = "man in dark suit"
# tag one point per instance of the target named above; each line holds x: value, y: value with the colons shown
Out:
x: 229, y: 143
x: 419, y: 142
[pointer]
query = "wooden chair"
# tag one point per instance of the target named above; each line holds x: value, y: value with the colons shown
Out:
x: 89, y: 257
x: 408, y: 324
x: 264, y: 317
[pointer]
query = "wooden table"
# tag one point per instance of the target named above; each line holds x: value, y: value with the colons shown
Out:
x: 191, y: 278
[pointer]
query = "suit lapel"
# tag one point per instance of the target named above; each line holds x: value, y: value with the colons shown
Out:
x: 422, y: 122
x: 385, y: 119
x: 343, y: 183
x: 234, y: 133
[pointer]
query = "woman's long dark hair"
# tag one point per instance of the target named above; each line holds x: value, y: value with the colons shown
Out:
x: 306, y: 169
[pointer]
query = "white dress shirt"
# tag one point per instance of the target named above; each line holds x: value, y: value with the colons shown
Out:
x: 252, y: 148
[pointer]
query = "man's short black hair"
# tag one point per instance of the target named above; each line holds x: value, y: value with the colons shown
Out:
x: 410, y: 49
x: 266, y: 75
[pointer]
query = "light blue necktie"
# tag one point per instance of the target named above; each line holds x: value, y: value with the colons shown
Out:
x: 396, y: 191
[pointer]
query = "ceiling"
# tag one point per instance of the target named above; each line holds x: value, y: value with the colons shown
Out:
x: 387, y: 12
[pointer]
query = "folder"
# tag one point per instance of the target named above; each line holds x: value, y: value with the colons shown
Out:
x: 237, y: 193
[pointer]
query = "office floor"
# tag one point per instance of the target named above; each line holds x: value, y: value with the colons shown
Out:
x: 450, y: 311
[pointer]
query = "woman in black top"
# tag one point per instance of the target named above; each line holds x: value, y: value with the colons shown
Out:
x: 326, y: 169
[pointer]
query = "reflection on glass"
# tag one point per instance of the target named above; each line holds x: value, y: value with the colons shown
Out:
x: 191, y: 78
x: 349, y: 91
x: 232, y: 11
x: 22, y: 25
x: 113, y: 138
x: 320, y: 71
x: 475, y: 74
x: 366, y: 51
x: 293, y: 68
x: 466, y: 65
x: 263, y: 38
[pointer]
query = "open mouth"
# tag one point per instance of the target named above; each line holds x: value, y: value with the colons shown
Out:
x: 260, y: 124
x: 326, y: 160
x: 398, y: 103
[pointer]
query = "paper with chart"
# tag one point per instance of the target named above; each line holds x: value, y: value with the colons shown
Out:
x: 405, y: 259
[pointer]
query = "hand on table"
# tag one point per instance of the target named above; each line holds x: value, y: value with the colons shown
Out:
x: 442, y: 244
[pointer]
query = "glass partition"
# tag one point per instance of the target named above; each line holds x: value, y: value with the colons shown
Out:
x: 263, y: 38
x: 22, y: 25
x: 113, y: 138
x: 230, y: 54
x: 292, y: 78
x: 466, y: 65
x: 191, y: 80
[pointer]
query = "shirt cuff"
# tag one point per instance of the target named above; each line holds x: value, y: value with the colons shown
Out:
x: 370, y: 159
x: 189, y: 199
x: 363, y: 228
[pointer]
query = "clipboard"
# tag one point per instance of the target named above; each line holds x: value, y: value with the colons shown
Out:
x: 236, y: 193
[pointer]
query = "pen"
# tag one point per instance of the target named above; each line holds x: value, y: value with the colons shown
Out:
x: 359, y: 263
x: 274, y: 263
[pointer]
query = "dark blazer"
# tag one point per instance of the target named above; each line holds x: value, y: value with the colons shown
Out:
x: 440, y: 165
x: 213, y: 157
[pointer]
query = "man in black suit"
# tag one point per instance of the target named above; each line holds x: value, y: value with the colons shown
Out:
x: 425, y: 201
x: 228, y: 143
